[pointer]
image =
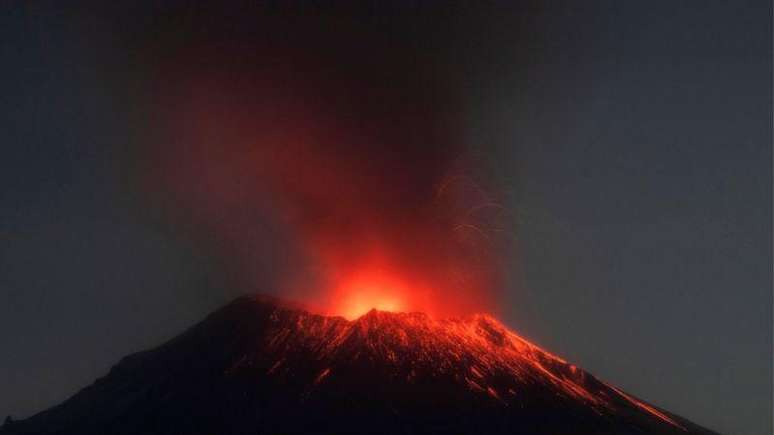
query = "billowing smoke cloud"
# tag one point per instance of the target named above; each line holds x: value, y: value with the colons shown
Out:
x: 322, y: 158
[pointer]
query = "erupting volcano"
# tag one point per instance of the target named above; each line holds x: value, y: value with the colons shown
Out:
x: 260, y: 365
x: 327, y: 159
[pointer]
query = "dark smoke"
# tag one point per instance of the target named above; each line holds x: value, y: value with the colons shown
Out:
x: 306, y: 148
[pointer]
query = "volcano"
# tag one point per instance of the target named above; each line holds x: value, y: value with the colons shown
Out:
x: 263, y: 366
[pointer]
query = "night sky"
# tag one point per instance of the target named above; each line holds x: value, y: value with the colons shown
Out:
x: 629, y: 145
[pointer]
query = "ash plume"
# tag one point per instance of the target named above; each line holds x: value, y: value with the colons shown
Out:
x: 312, y: 151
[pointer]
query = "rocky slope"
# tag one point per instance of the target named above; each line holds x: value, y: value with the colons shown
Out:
x: 260, y: 366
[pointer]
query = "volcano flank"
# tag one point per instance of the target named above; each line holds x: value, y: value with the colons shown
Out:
x: 260, y: 365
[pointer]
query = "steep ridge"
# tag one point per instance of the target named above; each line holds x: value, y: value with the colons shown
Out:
x: 260, y: 365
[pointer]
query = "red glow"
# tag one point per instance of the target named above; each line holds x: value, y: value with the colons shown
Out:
x: 328, y: 189
x: 366, y: 290
x: 363, y: 300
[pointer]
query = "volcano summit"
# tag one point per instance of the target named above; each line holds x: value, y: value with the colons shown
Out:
x: 259, y: 365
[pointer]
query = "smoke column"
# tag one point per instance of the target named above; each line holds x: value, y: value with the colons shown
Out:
x: 322, y: 159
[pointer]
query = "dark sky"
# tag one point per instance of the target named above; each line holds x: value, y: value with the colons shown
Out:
x: 630, y: 144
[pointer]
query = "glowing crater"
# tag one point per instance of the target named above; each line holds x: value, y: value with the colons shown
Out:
x: 374, y: 289
x: 361, y: 301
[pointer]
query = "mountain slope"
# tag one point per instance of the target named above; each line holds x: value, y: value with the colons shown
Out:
x: 262, y: 366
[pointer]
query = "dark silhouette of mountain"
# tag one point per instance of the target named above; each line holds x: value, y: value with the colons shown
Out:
x: 261, y: 366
